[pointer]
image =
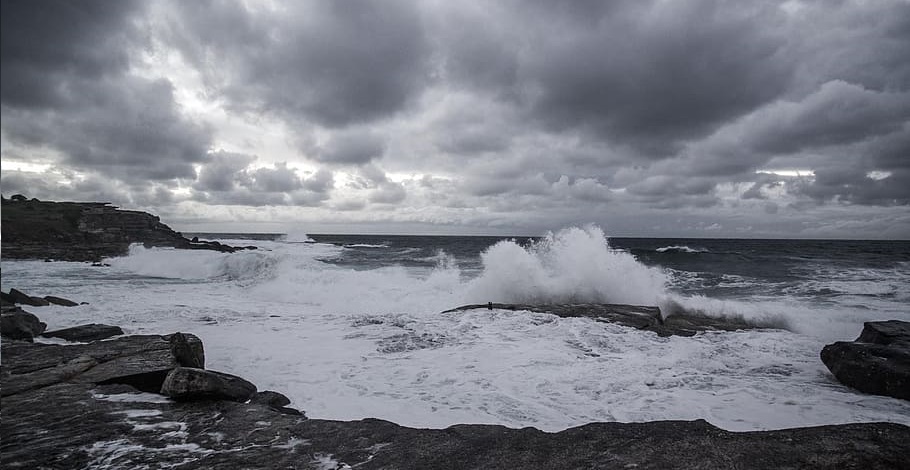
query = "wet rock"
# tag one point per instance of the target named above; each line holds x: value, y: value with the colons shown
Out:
x: 103, y: 422
x: 189, y: 383
x: 85, y: 333
x: 270, y: 398
x: 19, y: 324
x: 878, y: 362
x: 187, y: 349
x: 19, y: 297
x: 60, y: 301
x: 636, y: 316
x: 141, y: 361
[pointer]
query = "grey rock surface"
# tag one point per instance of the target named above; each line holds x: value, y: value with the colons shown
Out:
x: 190, y: 383
x: 116, y: 427
x: 85, y: 333
x: 141, y: 361
x: 16, y: 323
x: 636, y: 316
x: 878, y: 362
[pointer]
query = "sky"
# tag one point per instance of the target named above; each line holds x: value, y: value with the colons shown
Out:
x: 758, y: 119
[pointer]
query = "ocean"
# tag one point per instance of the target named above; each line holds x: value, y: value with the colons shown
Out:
x: 352, y: 326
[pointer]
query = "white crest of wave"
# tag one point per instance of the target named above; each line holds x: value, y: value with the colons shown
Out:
x: 296, y: 236
x: 680, y: 249
x: 572, y: 265
x: 193, y: 264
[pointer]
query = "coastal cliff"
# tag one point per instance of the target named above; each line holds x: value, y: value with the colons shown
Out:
x: 84, y: 231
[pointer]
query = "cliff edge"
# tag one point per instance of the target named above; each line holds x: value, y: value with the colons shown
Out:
x: 84, y: 231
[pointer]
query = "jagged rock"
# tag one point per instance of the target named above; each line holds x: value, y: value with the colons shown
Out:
x: 878, y: 362
x: 83, y: 231
x: 140, y: 361
x: 60, y: 301
x: 19, y: 297
x: 85, y: 333
x: 187, y: 349
x: 104, y: 421
x: 635, y: 316
x: 19, y: 324
x: 189, y: 383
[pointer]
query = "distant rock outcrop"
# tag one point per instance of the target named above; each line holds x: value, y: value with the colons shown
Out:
x: 878, y: 362
x: 636, y: 316
x: 84, y: 231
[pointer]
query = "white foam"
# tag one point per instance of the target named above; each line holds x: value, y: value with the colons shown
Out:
x: 680, y: 249
x: 572, y: 265
x: 316, y: 332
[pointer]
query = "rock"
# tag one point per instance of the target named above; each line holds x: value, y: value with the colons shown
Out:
x: 113, y: 427
x: 85, y: 333
x: 275, y: 401
x: 189, y: 383
x: 60, y: 301
x: 270, y: 398
x: 141, y: 361
x: 187, y: 349
x: 82, y: 231
x: 19, y: 297
x: 636, y: 316
x: 19, y: 324
x: 878, y: 362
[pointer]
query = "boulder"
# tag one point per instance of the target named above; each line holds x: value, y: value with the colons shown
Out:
x: 190, y: 383
x: 19, y: 324
x: 60, y: 301
x: 141, y: 361
x: 85, y: 333
x: 19, y: 297
x: 878, y: 362
x: 270, y: 398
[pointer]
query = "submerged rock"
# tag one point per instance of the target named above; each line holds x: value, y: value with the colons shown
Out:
x: 190, y: 383
x: 878, y: 362
x: 85, y: 333
x: 60, y: 301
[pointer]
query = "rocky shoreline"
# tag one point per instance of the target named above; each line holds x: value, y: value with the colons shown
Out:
x: 85, y: 231
x: 147, y: 401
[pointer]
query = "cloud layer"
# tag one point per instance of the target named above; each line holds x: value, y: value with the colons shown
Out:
x: 699, y: 118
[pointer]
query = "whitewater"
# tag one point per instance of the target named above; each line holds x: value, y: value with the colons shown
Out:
x: 349, y: 341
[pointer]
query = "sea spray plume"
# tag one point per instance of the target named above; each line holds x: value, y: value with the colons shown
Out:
x: 573, y: 265
x: 196, y: 264
x: 704, y: 307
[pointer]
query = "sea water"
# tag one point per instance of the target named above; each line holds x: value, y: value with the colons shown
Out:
x: 352, y: 326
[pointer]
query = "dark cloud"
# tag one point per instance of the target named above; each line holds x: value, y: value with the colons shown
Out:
x: 229, y: 179
x: 350, y: 147
x: 334, y: 63
x: 651, y: 75
x: 67, y: 85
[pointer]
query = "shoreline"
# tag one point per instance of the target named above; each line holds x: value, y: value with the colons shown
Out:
x: 118, y: 426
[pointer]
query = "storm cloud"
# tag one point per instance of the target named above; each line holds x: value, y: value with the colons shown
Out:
x: 697, y: 118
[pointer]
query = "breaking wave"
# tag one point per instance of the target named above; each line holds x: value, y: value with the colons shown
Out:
x: 680, y: 249
x: 571, y: 265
